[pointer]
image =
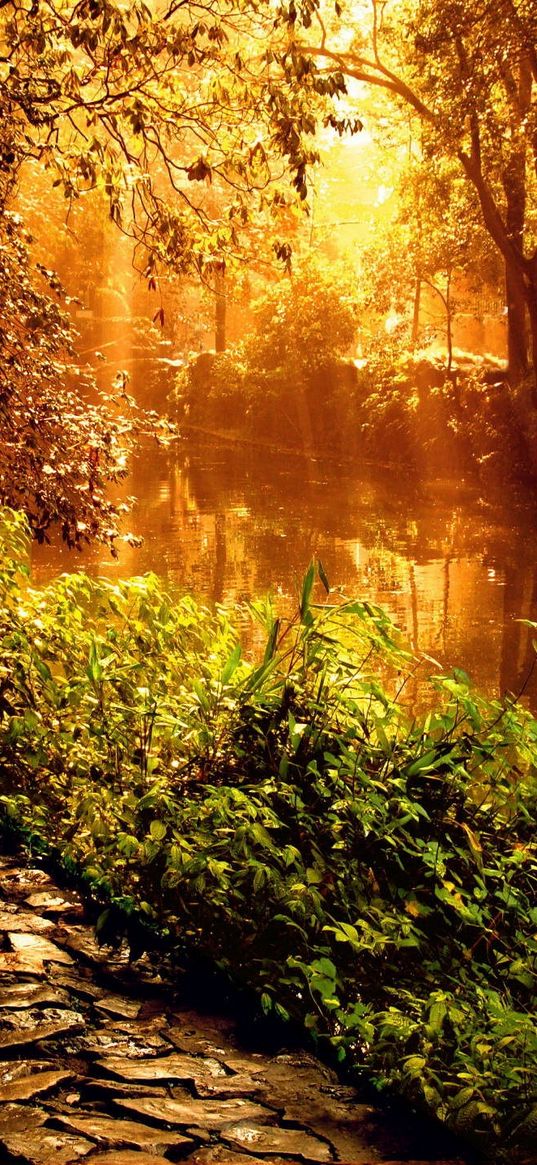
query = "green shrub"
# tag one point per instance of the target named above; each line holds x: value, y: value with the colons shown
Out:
x: 367, y: 870
x: 287, y: 366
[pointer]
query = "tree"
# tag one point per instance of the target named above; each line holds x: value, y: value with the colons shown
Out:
x: 58, y: 451
x: 434, y: 239
x: 158, y: 107
x: 469, y: 74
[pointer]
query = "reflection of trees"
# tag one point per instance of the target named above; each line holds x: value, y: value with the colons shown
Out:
x: 230, y: 522
x: 517, y: 669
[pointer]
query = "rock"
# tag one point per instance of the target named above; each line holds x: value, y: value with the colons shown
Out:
x: 128, y: 1133
x: 153, y: 1024
x: 174, y: 1067
x: 205, y: 1113
x: 23, y: 920
x: 253, y: 1065
x: 128, y: 1047
x: 80, y: 986
x: 55, y: 904
x: 22, y: 1135
x: 293, y: 1142
x: 48, y: 1147
x: 127, y: 1157
x: 41, y: 949
x: 13, y: 963
x: 228, y: 1086
x: 347, y: 1127
x: 23, y: 995
x: 219, y: 1155
x: 118, y: 1005
x: 20, y: 882
x: 198, y: 1134
x: 197, y: 1033
x: 112, y: 1088
x: 19, y: 1117
x: 80, y: 940
x: 41, y: 1031
x: 25, y: 1087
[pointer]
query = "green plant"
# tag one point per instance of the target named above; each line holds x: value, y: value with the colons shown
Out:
x: 286, y: 371
x: 368, y: 872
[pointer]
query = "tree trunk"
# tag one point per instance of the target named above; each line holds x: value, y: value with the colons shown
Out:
x: 220, y: 310
x: 416, y: 315
x: 449, y: 326
x: 517, y: 336
x: 517, y: 347
x: 514, y: 184
x: 531, y: 303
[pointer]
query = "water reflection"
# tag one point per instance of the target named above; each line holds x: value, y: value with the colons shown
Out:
x: 227, y: 521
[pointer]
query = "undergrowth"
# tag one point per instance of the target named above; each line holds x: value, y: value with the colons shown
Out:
x: 368, y: 872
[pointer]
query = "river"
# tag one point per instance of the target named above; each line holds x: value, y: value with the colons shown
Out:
x: 228, y: 519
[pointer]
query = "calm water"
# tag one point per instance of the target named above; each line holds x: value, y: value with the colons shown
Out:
x: 228, y: 520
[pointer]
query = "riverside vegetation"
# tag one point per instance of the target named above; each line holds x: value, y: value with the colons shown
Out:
x: 291, y: 379
x: 367, y: 872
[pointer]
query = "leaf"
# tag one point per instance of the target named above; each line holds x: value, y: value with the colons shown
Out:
x: 473, y: 842
x: 426, y: 761
x: 157, y: 829
x: 307, y: 587
x: 323, y: 577
x: 232, y: 663
x: 272, y: 641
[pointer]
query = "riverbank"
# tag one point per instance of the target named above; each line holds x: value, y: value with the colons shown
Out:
x: 411, y: 414
x: 366, y: 873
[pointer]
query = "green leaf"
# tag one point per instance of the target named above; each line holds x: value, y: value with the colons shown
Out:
x: 232, y: 663
x: 157, y: 829
x: 307, y: 587
x: 323, y: 577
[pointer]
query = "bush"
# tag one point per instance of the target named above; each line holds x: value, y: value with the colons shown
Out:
x: 367, y: 871
x: 285, y: 373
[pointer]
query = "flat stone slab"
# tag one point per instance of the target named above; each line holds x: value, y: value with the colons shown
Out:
x: 119, y: 1005
x: 229, y: 1086
x: 19, y: 882
x: 348, y: 1127
x: 111, y: 1043
x: 206, y: 1035
x: 36, y: 947
x: 54, y: 904
x: 21, y: 1117
x: 206, y: 1114
x: 25, y: 995
x: 120, y: 1088
x: 174, y: 1067
x: 220, y: 1155
x: 80, y: 940
x: 15, y: 963
x: 47, y: 1147
x: 293, y: 1142
x: 41, y: 1031
x: 22, y: 1134
x: 80, y: 986
x: 36, y: 1084
x: 128, y: 1157
x: 24, y: 920
x: 128, y: 1133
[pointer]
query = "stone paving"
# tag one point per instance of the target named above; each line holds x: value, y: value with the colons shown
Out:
x: 101, y: 1063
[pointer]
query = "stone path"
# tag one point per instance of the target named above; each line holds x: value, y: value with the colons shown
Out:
x: 101, y: 1064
